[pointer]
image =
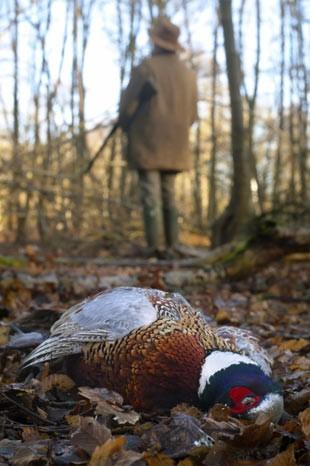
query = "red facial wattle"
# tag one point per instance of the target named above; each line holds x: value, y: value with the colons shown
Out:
x: 243, y: 399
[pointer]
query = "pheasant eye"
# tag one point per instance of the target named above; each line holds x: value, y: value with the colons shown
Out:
x: 248, y: 400
x: 243, y: 399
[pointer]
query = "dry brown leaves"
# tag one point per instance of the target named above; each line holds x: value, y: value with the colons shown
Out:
x: 112, y: 452
x: 89, y: 434
x: 286, y: 458
x: 108, y: 404
x: 48, y: 420
x: 304, y: 418
x: 62, y: 381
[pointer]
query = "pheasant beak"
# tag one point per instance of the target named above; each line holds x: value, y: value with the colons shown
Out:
x: 271, y: 405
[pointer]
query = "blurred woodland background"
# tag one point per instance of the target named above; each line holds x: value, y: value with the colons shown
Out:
x: 63, y: 66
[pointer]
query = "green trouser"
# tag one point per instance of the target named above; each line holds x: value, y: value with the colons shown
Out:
x: 159, y: 208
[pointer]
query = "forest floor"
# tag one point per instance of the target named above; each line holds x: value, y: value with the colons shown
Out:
x: 48, y: 420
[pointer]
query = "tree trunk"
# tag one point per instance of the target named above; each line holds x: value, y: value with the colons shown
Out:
x: 233, y: 220
x: 81, y: 23
x: 77, y: 182
x: 303, y: 105
x: 110, y: 179
x: 278, y: 159
x: 292, y: 122
x: 42, y: 221
x: 19, y: 210
x: 197, y: 178
x: 127, y: 50
x: 251, y: 101
x: 212, y: 204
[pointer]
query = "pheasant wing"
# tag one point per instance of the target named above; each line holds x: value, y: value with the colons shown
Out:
x: 117, y: 312
x: 107, y: 316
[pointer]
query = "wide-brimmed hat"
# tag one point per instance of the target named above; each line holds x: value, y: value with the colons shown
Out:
x: 165, y: 34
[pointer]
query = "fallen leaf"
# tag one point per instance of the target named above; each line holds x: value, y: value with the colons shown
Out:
x: 95, y: 395
x: 42, y: 413
x: 160, y: 459
x: 221, y: 429
x: 61, y: 381
x: 108, y: 403
x: 298, y: 257
x: 4, y: 334
x: 30, y: 433
x: 301, y: 363
x: 186, y: 462
x: 112, y: 453
x: 295, y: 345
x: 219, y: 412
x: 222, y: 316
x: 8, y: 448
x: 220, y: 424
x: 31, y: 252
x: 177, y: 437
x: 186, y: 409
x: 73, y: 420
x: 118, y: 414
x: 221, y: 454
x: 56, y: 414
x: 290, y: 429
x: 298, y: 400
x: 286, y: 458
x: 239, y: 462
x: 254, y: 435
x: 304, y: 418
x: 65, y: 454
x: 15, y: 294
x: 30, y: 452
x: 90, y: 434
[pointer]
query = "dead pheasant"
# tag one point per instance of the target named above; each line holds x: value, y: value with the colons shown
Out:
x: 157, y: 351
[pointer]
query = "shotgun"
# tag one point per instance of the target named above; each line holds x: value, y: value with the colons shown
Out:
x: 148, y: 90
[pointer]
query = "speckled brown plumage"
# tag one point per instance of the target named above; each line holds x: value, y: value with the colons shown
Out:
x: 152, y: 347
x: 149, y: 366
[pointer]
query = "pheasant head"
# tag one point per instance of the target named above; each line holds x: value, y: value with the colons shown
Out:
x: 238, y: 382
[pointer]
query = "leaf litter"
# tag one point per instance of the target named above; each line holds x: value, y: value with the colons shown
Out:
x: 47, y: 420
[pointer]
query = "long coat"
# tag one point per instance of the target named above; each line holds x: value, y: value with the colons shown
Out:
x: 158, y: 137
